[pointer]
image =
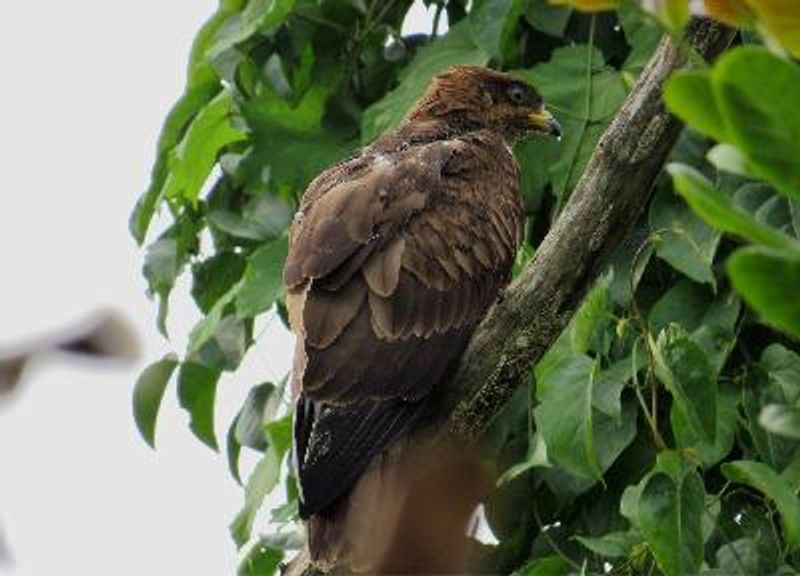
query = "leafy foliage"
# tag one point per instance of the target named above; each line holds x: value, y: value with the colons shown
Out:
x: 661, y: 432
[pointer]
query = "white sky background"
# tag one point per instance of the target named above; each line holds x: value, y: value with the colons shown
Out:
x: 86, y: 85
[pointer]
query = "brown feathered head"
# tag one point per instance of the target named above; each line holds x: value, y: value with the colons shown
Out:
x: 477, y: 97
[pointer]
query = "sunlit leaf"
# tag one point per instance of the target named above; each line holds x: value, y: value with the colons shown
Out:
x: 202, y: 85
x: 757, y: 94
x: 781, y: 20
x: 768, y: 282
x: 690, y: 96
x: 718, y: 209
x: 732, y: 12
x: 191, y: 161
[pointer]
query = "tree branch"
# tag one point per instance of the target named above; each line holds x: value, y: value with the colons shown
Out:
x: 606, y: 203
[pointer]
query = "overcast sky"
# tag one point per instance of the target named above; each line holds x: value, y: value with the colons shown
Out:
x: 86, y: 85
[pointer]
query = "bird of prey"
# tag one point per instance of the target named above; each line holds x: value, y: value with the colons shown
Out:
x: 395, y: 255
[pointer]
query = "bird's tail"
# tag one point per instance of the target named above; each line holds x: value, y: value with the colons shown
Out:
x: 408, y: 513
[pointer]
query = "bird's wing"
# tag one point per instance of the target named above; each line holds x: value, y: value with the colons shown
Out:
x: 392, y: 262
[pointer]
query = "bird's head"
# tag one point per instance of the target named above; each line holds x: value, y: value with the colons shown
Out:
x: 478, y: 97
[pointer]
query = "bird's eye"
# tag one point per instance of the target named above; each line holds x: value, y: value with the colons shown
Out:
x: 516, y: 93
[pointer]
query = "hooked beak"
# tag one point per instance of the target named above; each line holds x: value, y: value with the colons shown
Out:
x: 543, y: 121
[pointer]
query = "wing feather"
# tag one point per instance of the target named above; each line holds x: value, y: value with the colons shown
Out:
x: 394, y: 259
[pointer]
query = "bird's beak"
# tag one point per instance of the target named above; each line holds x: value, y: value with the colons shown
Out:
x: 543, y: 121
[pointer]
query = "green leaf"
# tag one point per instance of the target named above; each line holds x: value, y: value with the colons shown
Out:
x: 781, y: 419
x: 147, y: 395
x: 162, y: 266
x: 197, y: 389
x: 204, y: 330
x: 564, y: 416
x: 456, y: 47
x: 263, y: 279
x: 670, y: 520
x: 191, y: 161
x: 234, y: 450
x: 492, y: 26
x: 569, y: 423
x: 166, y: 259
x: 610, y: 382
x: 717, y: 208
x: 263, y: 480
x: 757, y: 93
x: 767, y: 207
x: 683, y: 240
x: 776, y: 451
x: 290, y: 144
x: 612, y: 545
x: 584, y: 94
x: 202, y: 85
x: 709, y: 452
x: 739, y: 557
x: 264, y: 217
x: 685, y: 303
x: 214, y: 277
x: 261, y: 560
x: 547, y: 566
x: 766, y: 480
x: 259, y: 15
x: 690, y: 96
x: 783, y: 368
x: 687, y: 373
x: 591, y: 319
x: 717, y: 334
x: 259, y: 409
x: 642, y: 35
x: 768, y: 281
x: 545, y: 17
x: 224, y: 349
x: 728, y: 158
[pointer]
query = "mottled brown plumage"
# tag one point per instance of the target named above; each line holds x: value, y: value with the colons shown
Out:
x: 395, y: 255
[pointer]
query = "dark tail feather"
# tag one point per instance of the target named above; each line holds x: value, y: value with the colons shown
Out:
x: 334, y: 448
